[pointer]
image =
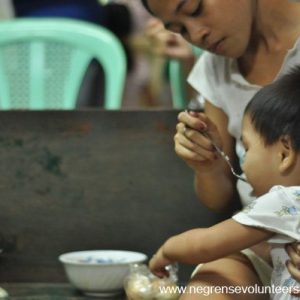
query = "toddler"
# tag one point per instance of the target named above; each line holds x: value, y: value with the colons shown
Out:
x: 271, y: 137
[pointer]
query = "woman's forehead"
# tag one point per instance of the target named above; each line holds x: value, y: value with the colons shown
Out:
x: 164, y: 7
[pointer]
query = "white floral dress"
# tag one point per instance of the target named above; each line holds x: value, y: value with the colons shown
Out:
x: 277, y: 211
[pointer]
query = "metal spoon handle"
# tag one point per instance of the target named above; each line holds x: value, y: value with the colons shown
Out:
x: 223, y: 154
x: 226, y: 158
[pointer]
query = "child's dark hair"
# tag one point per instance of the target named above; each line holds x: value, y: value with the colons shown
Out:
x: 275, y: 110
x: 146, y: 5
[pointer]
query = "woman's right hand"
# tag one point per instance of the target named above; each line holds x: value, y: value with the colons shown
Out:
x: 197, y: 150
x: 193, y: 141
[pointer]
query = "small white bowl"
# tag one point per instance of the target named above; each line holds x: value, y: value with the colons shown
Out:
x: 99, y: 272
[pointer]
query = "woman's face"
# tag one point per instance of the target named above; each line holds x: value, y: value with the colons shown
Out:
x: 219, y: 26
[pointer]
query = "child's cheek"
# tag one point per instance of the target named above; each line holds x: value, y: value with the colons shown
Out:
x: 247, y: 169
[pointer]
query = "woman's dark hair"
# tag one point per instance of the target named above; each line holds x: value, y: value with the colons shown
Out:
x: 275, y: 110
x: 146, y: 5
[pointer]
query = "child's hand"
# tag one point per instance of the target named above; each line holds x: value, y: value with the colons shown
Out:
x: 158, y: 263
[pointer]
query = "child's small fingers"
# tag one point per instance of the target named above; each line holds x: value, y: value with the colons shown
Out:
x: 161, y: 273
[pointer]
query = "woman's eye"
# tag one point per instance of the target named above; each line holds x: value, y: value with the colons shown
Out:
x: 198, y: 10
x: 183, y: 30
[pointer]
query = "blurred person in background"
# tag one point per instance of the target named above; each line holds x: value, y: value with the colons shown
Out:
x: 169, y: 45
x: 147, y: 84
x: 6, y: 10
x: 114, y: 16
x: 86, y: 10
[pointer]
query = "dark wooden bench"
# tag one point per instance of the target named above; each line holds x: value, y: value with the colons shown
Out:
x: 88, y: 179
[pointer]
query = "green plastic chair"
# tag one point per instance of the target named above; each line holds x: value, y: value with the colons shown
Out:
x: 43, y: 62
x: 177, y: 82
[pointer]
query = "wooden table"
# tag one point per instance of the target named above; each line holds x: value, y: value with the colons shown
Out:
x: 91, y: 179
x: 44, y: 291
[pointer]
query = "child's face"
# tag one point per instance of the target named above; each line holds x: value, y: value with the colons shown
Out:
x: 260, y: 162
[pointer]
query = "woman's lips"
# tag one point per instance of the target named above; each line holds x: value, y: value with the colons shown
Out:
x: 217, y: 47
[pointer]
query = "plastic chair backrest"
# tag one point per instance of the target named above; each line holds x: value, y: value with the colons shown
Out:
x: 43, y: 62
x: 177, y: 82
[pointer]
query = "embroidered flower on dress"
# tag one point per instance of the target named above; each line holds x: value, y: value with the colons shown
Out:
x: 289, y: 282
x: 297, y: 194
x: 249, y: 207
x: 287, y: 211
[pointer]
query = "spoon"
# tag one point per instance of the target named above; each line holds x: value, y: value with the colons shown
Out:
x: 220, y: 151
x: 226, y: 158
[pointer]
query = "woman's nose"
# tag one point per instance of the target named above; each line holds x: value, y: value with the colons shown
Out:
x: 198, y: 35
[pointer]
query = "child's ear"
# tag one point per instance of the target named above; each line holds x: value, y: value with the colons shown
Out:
x: 287, y: 154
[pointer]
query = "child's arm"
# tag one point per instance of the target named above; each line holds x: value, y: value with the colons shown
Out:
x: 206, y: 244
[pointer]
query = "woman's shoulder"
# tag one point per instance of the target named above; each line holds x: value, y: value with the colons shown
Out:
x: 218, y: 67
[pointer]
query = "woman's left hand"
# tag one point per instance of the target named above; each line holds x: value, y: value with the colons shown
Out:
x: 293, y: 264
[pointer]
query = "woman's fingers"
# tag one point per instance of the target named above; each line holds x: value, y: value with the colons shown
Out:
x: 194, y: 136
x: 200, y: 122
x: 192, y: 145
x: 188, y: 154
x: 192, y: 121
x: 193, y: 140
x: 293, y: 252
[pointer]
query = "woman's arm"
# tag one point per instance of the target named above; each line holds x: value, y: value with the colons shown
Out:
x: 206, y: 244
x: 214, y: 184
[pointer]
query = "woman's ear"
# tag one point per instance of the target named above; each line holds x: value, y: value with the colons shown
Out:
x: 287, y: 154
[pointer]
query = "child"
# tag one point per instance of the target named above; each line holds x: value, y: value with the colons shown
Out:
x: 271, y: 137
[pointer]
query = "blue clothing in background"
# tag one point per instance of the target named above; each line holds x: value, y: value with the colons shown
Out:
x: 87, y: 10
x: 115, y: 17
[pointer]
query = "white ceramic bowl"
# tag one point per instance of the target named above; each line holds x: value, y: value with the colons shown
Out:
x: 99, y: 272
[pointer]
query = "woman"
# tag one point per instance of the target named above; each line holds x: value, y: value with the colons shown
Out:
x: 249, y: 43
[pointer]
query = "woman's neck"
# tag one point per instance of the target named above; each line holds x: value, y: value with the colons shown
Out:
x: 276, y: 28
x: 276, y: 25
